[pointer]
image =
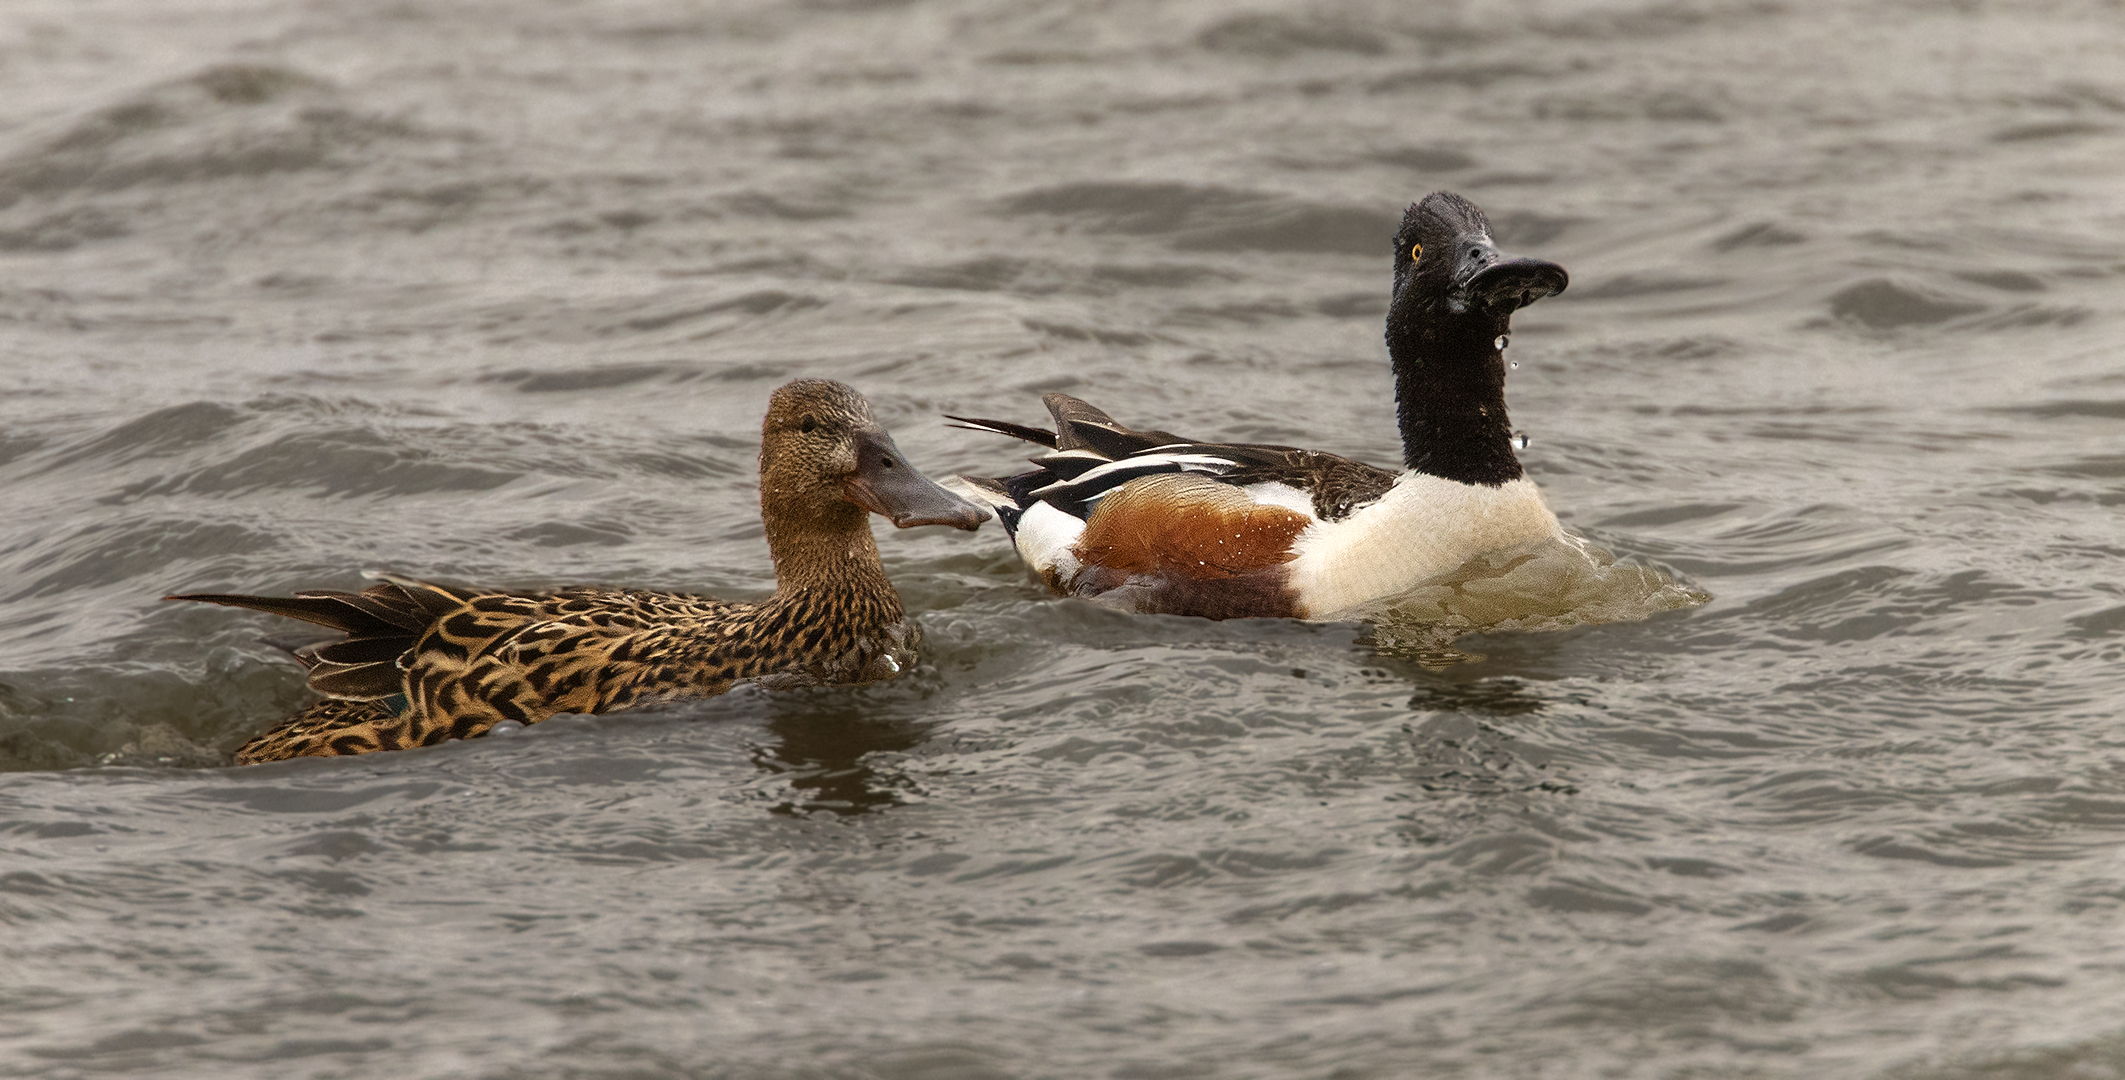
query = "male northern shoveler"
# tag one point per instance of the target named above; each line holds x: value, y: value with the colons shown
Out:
x: 421, y: 663
x: 1152, y: 522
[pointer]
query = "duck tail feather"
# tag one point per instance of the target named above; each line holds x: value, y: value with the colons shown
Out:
x: 1070, y: 410
x: 338, y: 610
x: 1079, y: 426
x: 358, y: 682
x: 1004, y: 427
x: 1076, y: 422
x: 364, y: 665
x: 430, y: 600
x: 388, y: 602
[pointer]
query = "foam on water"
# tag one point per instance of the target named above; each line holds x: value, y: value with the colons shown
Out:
x: 1554, y: 585
x: 496, y: 293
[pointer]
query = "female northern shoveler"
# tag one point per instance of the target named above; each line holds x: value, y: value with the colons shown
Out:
x: 421, y: 663
x: 1152, y: 522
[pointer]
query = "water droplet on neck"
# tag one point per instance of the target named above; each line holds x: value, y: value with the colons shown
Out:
x: 1502, y: 342
x: 1520, y: 440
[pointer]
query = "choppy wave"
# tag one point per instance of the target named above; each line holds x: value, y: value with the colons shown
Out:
x: 495, y: 293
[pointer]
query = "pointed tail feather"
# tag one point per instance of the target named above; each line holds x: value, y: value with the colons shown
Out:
x: 338, y: 610
x: 1079, y: 429
x: 388, y: 602
x: 361, y: 650
x: 1069, y: 410
x: 382, y: 623
x: 1004, y: 427
x: 427, y: 596
x: 358, y: 682
x: 359, y: 668
x: 1079, y: 426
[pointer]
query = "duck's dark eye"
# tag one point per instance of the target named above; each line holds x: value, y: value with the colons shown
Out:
x: 808, y: 425
x: 1416, y: 251
x: 886, y: 462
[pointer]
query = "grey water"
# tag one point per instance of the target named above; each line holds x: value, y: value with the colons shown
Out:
x: 495, y: 292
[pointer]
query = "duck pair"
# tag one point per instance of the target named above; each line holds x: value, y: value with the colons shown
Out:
x: 1146, y: 521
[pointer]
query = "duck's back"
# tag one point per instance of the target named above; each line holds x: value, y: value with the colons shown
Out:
x: 423, y: 663
x: 525, y: 656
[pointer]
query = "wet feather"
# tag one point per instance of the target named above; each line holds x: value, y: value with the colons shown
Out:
x: 422, y: 662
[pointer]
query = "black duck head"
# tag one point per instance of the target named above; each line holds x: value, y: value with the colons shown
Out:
x: 1454, y: 298
x: 1447, y: 266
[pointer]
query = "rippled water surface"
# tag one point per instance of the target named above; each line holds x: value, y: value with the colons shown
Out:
x: 496, y: 292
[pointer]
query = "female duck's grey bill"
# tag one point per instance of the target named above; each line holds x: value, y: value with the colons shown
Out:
x: 885, y: 484
x: 1502, y: 285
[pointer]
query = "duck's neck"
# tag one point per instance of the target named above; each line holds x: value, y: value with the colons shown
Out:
x: 1450, y: 396
x: 829, y: 554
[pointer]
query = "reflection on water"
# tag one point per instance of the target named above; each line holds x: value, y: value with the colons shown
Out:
x: 822, y: 759
x: 1818, y: 778
x: 1505, y: 697
x: 1459, y: 753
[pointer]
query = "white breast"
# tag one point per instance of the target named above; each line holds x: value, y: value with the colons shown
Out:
x: 1423, y: 527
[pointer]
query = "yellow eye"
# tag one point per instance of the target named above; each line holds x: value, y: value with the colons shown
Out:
x: 1416, y: 251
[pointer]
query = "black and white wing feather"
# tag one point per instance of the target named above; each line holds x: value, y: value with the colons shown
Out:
x: 1091, y: 456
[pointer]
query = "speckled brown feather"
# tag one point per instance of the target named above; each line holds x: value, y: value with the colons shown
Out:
x: 422, y: 663
x: 525, y: 657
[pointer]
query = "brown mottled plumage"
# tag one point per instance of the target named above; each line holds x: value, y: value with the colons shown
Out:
x: 421, y: 663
